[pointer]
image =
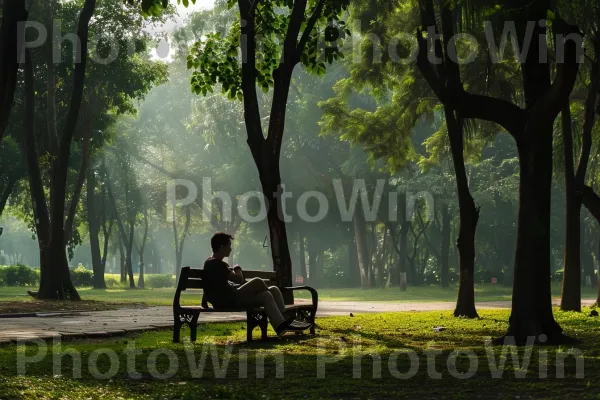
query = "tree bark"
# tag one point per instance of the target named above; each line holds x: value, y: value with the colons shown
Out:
x: 575, y: 182
x: 141, y: 248
x: 129, y: 251
x: 14, y: 14
x: 532, y: 128
x: 445, y: 247
x: 179, y: 242
x: 122, y: 262
x: 571, y: 284
x: 266, y: 152
x: 106, y: 231
x: 6, y: 192
x: 94, y: 231
x: 53, y: 138
x: 587, y: 261
x: 360, y: 234
x: 58, y: 265
x: 598, y: 253
x: 302, y: 257
x: 79, y: 183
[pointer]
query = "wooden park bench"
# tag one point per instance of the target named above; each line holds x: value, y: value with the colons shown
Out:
x: 191, y: 278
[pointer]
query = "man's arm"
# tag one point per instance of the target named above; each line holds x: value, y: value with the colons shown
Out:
x: 235, y: 274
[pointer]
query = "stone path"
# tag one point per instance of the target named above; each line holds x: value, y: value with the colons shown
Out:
x: 94, y: 324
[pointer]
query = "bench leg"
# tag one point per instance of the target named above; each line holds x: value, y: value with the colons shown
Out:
x: 248, y: 334
x: 177, y: 330
x: 250, y: 325
x: 193, y: 327
x: 264, y: 326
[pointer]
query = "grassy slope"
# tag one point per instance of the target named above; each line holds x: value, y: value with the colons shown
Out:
x: 376, y: 334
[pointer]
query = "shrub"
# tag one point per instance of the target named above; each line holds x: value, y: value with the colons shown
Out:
x: 112, y: 281
x: 159, y: 281
x: 81, y: 276
x: 19, y: 275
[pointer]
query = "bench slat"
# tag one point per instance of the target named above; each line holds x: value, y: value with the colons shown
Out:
x: 259, y: 274
x: 194, y: 284
x: 191, y: 278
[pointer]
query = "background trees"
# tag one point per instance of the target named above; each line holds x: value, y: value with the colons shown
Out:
x: 475, y: 151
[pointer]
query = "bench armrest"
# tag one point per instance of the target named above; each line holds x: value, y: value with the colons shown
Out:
x: 313, y: 293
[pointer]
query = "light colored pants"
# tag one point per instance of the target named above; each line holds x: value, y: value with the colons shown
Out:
x: 256, y: 293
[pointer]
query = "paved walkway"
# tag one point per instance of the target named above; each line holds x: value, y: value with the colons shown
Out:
x: 93, y: 324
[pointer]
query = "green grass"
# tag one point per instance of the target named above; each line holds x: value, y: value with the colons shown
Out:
x: 338, y: 339
x: 164, y: 297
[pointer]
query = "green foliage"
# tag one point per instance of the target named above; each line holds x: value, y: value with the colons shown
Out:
x: 113, y: 281
x: 215, y: 59
x: 19, y: 275
x: 157, y: 281
x: 81, y: 276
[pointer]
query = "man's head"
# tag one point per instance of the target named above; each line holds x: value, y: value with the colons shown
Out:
x: 221, y: 244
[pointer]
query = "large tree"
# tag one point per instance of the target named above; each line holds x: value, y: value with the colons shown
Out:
x: 587, y: 13
x: 532, y: 128
x: 274, y: 37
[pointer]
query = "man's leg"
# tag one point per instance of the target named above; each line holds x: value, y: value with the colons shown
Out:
x: 255, y: 293
x: 278, y: 298
x: 275, y: 316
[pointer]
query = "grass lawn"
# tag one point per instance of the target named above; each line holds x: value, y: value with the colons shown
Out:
x: 10, y: 297
x: 317, y: 367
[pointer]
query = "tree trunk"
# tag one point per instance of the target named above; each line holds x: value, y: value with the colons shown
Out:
x: 6, y: 192
x: 52, y: 131
x: 302, y: 252
x: 445, y: 249
x: 179, y: 242
x: 360, y: 234
x: 469, y: 216
x: 55, y: 279
x: 587, y: 261
x: 122, y: 262
x: 14, y: 14
x: 353, y: 269
x: 94, y: 231
x: 141, y: 249
x: 598, y: 253
x: 79, y: 183
x: 57, y: 269
x: 531, y: 314
x: 571, y: 285
x: 280, y: 252
x: 129, y: 251
x: 575, y: 181
x: 106, y: 232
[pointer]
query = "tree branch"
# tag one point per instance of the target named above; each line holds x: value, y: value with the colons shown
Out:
x: 80, y: 181
x: 547, y: 108
x: 591, y: 201
x: 502, y: 112
x: 310, y: 25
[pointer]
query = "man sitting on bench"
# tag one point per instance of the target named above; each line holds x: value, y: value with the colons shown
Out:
x: 225, y: 288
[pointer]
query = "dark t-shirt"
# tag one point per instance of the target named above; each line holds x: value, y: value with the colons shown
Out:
x: 219, y: 290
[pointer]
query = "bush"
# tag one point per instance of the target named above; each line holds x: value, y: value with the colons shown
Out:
x: 159, y: 281
x: 112, y: 281
x: 81, y: 276
x: 19, y: 275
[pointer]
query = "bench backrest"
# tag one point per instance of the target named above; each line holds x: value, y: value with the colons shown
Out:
x: 191, y: 278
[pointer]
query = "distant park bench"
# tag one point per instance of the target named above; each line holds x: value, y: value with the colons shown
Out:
x: 191, y: 278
